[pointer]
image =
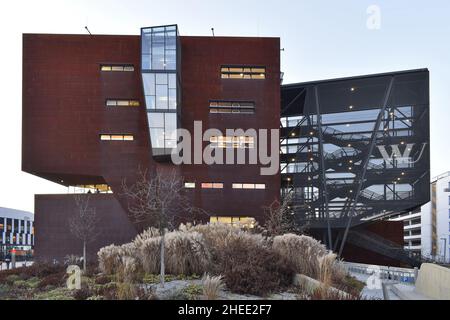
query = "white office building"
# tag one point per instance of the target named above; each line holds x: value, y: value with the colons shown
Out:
x: 16, y: 228
x: 427, y: 231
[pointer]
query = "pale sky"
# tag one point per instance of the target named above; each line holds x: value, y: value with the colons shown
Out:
x: 322, y: 40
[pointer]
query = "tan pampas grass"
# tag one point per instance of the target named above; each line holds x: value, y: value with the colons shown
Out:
x: 146, y: 234
x: 186, y: 253
x: 212, y: 287
x: 127, y: 270
x: 302, y: 251
x: 149, y: 254
x: 326, y: 264
x: 109, y: 259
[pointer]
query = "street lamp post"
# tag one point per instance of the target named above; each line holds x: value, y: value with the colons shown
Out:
x: 445, y: 249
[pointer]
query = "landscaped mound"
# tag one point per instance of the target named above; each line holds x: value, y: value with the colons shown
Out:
x: 249, y: 262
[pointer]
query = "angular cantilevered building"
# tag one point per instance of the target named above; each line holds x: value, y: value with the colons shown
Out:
x: 99, y: 108
x: 354, y: 150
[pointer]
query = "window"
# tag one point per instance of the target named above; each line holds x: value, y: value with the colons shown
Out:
x: 122, y: 103
x: 163, y: 129
x: 160, y: 90
x: 189, y: 185
x: 249, y: 186
x: 212, y: 185
x: 243, y: 72
x: 97, y: 188
x: 117, y: 137
x: 238, y: 142
x: 117, y: 67
x: 241, y: 222
x: 161, y: 85
x: 231, y: 107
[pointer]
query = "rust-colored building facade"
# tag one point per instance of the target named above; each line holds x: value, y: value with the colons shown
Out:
x: 98, y: 109
x: 85, y: 123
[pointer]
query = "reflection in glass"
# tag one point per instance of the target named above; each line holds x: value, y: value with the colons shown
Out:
x: 159, y: 76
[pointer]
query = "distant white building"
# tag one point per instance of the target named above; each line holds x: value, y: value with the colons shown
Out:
x: 16, y: 229
x: 427, y: 231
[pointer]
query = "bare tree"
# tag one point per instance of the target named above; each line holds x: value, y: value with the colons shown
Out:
x: 157, y: 201
x: 83, y: 224
x: 279, y: 217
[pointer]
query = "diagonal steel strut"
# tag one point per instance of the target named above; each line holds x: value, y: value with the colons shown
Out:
x: 366, y: 162
x: 323, y: 169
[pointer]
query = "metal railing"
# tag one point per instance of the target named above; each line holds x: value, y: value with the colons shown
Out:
x: 404, y: 275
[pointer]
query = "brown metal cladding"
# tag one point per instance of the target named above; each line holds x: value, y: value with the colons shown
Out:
x: 53, y: 239
x: 64, y: 112
x: 202, y: 58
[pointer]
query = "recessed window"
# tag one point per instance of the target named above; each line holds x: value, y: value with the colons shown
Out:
x: 237, y: 142
x: 117, y: 67
x: 231, y: 107
x: 249, y: 186
x: 122, y: 103
x: 189, y: 185
x: 212, y: 185
x: 116, y: 137
x: 243, y: 72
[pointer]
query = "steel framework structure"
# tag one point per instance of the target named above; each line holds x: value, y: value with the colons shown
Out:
x: 355, y: 148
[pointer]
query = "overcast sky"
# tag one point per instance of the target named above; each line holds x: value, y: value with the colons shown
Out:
x: 322, y: 40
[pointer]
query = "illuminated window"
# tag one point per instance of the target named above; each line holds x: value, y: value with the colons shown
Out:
x: 117, y: 137
x: 240, y: 222
x: 117, y: 67
x: 212, y: 185
x: 122, y: 103
x: 231, y: 107
x: 249, y: 186
x: 189, y: 185
x: 238, y: 142
x: 94, y: 188
x: 242, y: 72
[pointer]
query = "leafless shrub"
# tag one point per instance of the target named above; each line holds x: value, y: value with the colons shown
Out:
x: 278, y: 217
x: 212, y: 286
x: 250, y: 267
x: 157, y: 200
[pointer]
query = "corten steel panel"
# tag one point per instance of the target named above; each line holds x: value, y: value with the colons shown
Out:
x: 53, y: 239
x: 64, y: 112
x: 389, y: 230
x: 202, y: 58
